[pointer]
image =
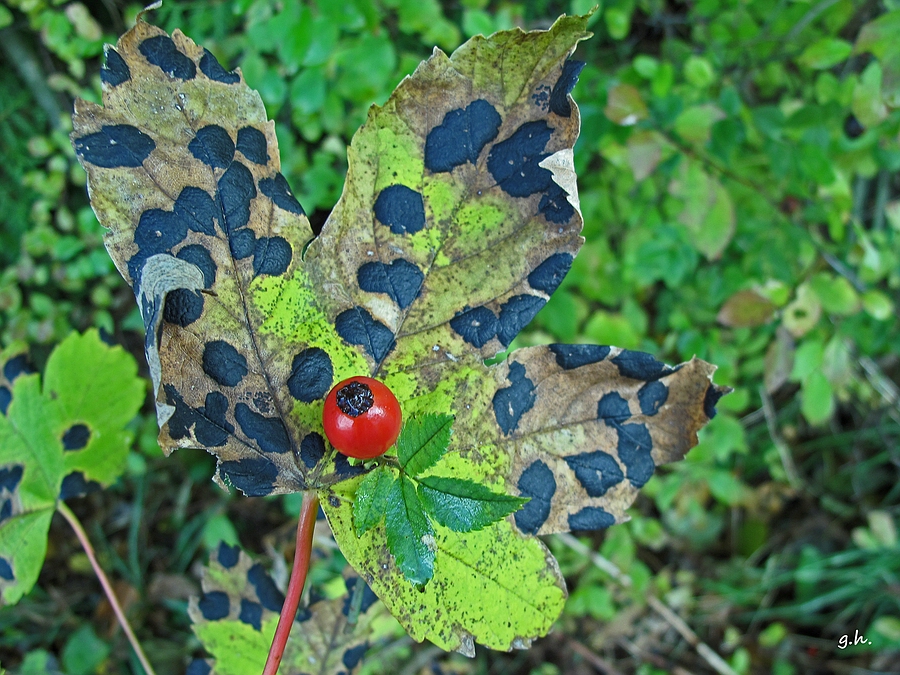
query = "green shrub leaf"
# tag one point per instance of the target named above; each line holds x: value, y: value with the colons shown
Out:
x: 70, y: 427
x: 423, y: 441
x: 410, y: 536
x: 372, y: 499
x: 463, y: 505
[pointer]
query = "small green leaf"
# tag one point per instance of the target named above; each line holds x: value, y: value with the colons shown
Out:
x: 463, y: 505
x: 817, y: 401
x: 825, y: 53
x: 410, y: 536
x: 371, y: 499
x: 423, y: 441
x: 84, y: 652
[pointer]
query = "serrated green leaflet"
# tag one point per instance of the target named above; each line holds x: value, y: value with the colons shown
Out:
x: 410, y: 536
x: 372, y: 498
x: 423, y: 441
x: 463, y: 505
x: 72, y: 425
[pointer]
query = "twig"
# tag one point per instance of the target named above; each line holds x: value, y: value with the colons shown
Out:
x: 305, y: 528
x: 600, y: 664
x: 787, y: 461
x: 104, y: 581
x: 712, y: 658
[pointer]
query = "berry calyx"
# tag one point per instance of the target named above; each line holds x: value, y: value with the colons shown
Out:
x: 361, y: 417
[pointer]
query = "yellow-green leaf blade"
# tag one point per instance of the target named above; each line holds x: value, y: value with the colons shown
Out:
x: 494, y: 586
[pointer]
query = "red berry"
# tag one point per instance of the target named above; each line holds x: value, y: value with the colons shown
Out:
x: 361, y: 417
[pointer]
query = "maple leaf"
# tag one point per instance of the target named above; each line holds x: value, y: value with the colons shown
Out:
x: 459, y: 218
x: 235, y: 619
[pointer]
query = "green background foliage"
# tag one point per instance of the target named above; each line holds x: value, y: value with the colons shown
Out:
x: 738, y: 179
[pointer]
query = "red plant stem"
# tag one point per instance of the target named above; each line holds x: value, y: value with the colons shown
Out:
x: 107, y: 587
x: 305, y: 529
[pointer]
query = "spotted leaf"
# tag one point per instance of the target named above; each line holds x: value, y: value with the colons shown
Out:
x: 236, y: 616
x: 184, y: 171
x: 459, y: 218
x: 58, y: 438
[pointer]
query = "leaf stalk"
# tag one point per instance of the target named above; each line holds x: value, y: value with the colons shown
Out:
x: 305, y: 528
x: 104, y: 581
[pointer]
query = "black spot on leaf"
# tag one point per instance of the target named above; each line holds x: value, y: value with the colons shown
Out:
x: 278, y: 190
x: 710, y: 399
x: 549, y: 274
x: 183, y: 307
x: 76, y: 437
x: 210, y: 426
x: 515, y: 314
x: 652, y: 396
x: 634, y: 448
x: 198, y: 666
x: 268, y: 432
x: 311, y: 375
x: 345, y: 469
x: 76, y: 484
x: 5, y: 398
x: 555, y: 205
x: 538, y: 483
x: 640, y: 365
x: 354, y: 655
x: 312, y: 450
x: 511, y: 402
x: 228, y: 555
x: 401, y: 209
x: 161, y: 51
x: 461, y: 136
x: 197, y: 209
x: 223, y: 363
x: 199, y: 255
x: 211, y: 67
x: 477, y: 326
x: 236, y: 191
x: 271, y: 255
x: 559, y: 97
x: 591, y: 518
x: 213, y: 146
x: 115, y: 146
x: 254, y: 476
x: 613, y: 409
x: 115, y: 71
x: 357, y: 327
x: 158, y: 231
x: 266, y: 590
x: 596, y: 471
x: 10, y: 477
x: 5, y: 509
x: 251, y: 142
x: 6, y: 571
x: 17, y: 365
x: 208, y: 421
x: 400, y: 279
x: 251, y: 613
x: 213, y: 605
x: 242, y: 243
x: 514, y: 162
